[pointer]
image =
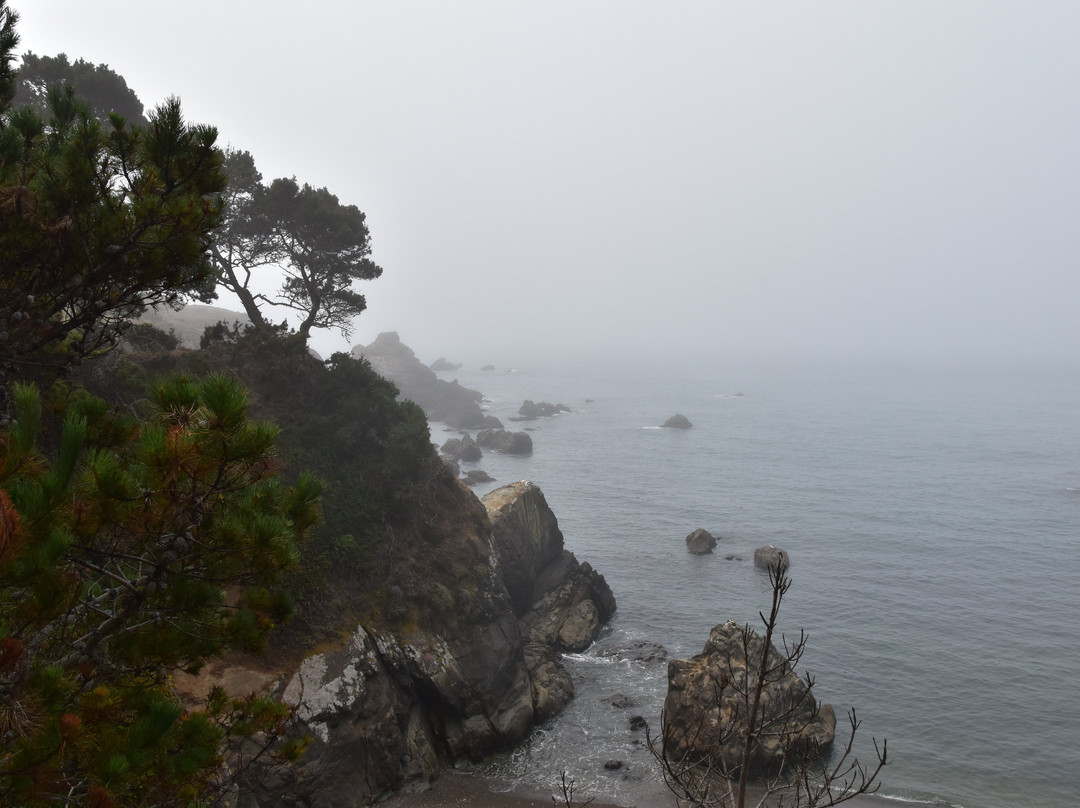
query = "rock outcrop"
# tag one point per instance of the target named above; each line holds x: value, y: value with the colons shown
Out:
x: 463, y: 448
x: 700, y: 542
x: 769, y: 556
x: 444, y: 401
x: 504, y: 441
x: 530, y: 410
x: 677, y: 421
x: 393, y: 704
x: 705, y: 715
x: 443, y: 364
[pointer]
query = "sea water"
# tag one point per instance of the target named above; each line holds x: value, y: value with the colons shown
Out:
x: 932, y: 519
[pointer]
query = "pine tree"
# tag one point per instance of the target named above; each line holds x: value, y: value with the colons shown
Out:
x: 99, y: 221
x: 134, y: 549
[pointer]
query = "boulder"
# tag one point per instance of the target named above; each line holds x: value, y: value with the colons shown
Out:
x: 644, y: 651
x: 530, y: 410
x: 769, y: 556
x: 705, y: 716
x: 699, y: 542
x: 476, y: 477
x: 677, y: 421
x: 505, y: 442
x: 464, y: 449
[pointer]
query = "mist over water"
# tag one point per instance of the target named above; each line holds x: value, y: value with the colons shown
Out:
x: 931, y: 516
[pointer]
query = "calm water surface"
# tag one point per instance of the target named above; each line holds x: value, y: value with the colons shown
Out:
x: 932, y: 520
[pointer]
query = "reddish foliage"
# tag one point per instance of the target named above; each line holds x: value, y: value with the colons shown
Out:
x: 9, y: 524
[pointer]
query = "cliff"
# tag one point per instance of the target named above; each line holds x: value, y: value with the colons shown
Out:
x: 398, y: 699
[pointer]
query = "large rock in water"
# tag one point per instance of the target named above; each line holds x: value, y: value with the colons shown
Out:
x: 444, y: 401
x: 771, y: 557
x: 394, y: 704
x: 701, y: 725
x: 504, y: 441
x: 700, y: 542
x: 677, y: 421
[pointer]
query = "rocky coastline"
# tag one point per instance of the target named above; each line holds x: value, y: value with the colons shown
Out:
x: 394, y: 704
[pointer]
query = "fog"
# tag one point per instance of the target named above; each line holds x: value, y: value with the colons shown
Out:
x: 875, y: 180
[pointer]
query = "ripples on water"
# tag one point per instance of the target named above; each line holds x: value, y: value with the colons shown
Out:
x: 931, y: 520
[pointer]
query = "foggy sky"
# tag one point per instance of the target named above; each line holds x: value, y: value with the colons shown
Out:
x: 858, y: 179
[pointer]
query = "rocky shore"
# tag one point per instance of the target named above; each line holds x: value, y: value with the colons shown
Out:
x: 398, y: 700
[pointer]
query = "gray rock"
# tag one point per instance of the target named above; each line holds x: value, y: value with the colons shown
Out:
x: 464, y: 449
x: 504, y: 442
x: 637, y: 651
x: 702, y: 694
x: 389, y: 707
x: 769, y: 556
x: 530, y: 411
x: 678, y: 421
x: 699, y: 542
x: 477, y: 477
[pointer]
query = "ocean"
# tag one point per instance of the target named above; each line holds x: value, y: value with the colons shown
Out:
x: 932, y: 517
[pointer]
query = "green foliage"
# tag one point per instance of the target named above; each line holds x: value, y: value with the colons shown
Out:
x: 100, y: 220
x: 118, y: 549
x: 9, y: 40
x: 98, y: 85
x: 320, y: 246
x: 147, y: 337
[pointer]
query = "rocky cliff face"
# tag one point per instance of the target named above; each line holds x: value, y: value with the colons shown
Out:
x: 393, y: 703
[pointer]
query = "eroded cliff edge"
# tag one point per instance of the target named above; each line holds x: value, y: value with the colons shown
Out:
x: 394, y: 702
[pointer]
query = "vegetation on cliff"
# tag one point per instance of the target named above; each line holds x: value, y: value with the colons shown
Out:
x: 150, y: 517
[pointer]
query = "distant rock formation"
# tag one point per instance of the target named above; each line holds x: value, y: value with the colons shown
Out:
x: 444, y: 401
x: 463, y: 449
x: 695, y: 714
x: 700, y: 542
x: 500, y: 440
x: 769, y: 556
x: 677, y: 421
x: 442, y: 363
x: 488, y: 367
x: 393, y: 704
x: 530, y: 411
